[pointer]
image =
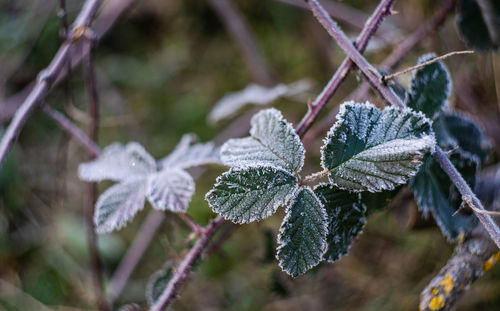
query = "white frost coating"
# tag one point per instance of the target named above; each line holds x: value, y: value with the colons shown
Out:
x: 249, y: 194
x: 272, y: 141
x: 119, y: 204
x: 170, y: 189
x: 118, y: 162
x: 369, y: 149
x: 257, y: 95
x: 302, y: 238
x: 186, y: 155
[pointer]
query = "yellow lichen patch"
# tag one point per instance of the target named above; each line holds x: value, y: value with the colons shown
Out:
x: 447, y: 284
x: 437, y: 302
x: 490, y: 263
x: 434, y: 291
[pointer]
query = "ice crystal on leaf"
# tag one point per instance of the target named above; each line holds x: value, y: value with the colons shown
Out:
x: 272, y: 142
x: 369, y: 149
x: 166, y: 185
x: 302, y: 239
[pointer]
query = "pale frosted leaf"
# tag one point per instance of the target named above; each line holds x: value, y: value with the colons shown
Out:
x: 435, y: 193
x: 257, y: 95
x: 249, y: 194
x: 119, y: 204
x: 272, y: 141
x: 346, y: 219
x: 186, y: 155
x: 118, y: 162
x: 369, y: 149
x: 430, y: 87
x: 170, y: 189
x: 302, y: 239
x: 157, y: 284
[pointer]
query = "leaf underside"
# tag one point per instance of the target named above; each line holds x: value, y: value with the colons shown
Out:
x: 346, y: 219
x: 369, y: 149
x: 272, y: 142
x: 435, y: 193
x: 119, y: 204
x: 302, y: 238
x: 118, y: 162
x: 479, y: 24
x: 430, y: 87
x: 249, y: 194
x: 170, y: 189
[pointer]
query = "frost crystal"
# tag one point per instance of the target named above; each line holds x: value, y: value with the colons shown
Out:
x: 369, y: 149
x: 249, y: 194
x: 272, y: 142
x: 187, y: 155
x: 302, y: 239
x: 254, y: 94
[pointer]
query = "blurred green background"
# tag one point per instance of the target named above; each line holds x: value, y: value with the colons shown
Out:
x: 160, y: 70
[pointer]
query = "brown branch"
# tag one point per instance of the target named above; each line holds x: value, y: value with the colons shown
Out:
x: 46, y: 79
x: 93, y: 129
x: 238, y: 28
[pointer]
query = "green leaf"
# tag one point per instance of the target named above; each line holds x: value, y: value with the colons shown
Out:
x: 249, y: 194
x: 479, y: 24
x: 436, y: 194
x: 302, y: 239
x: 378, y: 201
x: 346, y: 219
x: 272, y: 142
x: 454, y: 130
x: 119, y: 204
x: 369, y: 149
x: 157, y: 284
x: 430, y: 87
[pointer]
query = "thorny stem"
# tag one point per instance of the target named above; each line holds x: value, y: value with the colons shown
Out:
x: 375, y: 80
x: 436, y: 59
x: 316, y: 176
x: 194, y: 254
x: 383, y: 9
x: 45, y: 80
x: 93, y: 129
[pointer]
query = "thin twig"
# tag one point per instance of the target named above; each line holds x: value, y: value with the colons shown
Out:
x: 237, y: 26
x: 316, y: 176
x: 72, y: 129
x: 45, y: 80
x: 468, y: 200
x: 436, y: 59
x: 383, y: 9
x: 88, y: 66
x: 375, y: 80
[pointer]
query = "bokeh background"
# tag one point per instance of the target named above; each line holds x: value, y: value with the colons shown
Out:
x: 160, y: 69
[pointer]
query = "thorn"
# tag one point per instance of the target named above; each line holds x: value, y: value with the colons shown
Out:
x: 394, y: 12
x: 452, y: 150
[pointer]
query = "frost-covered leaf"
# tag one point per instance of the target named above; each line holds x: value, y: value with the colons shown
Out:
x: 346, y: 219
x: 170, y: 189
x: 436, y: 194
x: 430, y: 87
x: 369, y: 149
x: 257, y: 95
x: 302, y: 239
x: 250, y: 194
x: 119, y: 204
x: 130, y: 307
x: 186, y: 154
x: 479, y: 23
x: 118, y: 162
x: 455, y: 130
x: 272, y: 141
x: 157, y: 284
